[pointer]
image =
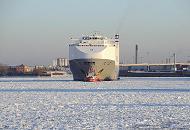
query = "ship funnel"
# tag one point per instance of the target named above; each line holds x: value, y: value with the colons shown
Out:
x: 116, y: 37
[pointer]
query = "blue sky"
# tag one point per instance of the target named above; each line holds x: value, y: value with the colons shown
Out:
x: 37, y: 31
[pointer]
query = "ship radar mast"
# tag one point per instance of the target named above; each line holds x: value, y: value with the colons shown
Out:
x: 116, y: 37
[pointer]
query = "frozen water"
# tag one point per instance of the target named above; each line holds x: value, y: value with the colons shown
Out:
x: 60, y: 103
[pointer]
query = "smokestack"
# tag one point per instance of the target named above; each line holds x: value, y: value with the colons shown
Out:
x: 136, y: 54
x: 174, y: 62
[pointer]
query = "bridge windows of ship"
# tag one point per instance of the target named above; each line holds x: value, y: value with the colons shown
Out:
x: 90, y: 45
x: 94, y: 38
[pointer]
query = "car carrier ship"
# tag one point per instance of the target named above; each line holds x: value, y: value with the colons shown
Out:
x: 94, y: 58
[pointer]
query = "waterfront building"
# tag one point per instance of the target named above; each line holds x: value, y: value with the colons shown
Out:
x: 62, y: 62
x: 23, y: 69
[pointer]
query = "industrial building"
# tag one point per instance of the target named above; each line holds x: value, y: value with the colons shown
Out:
x: 153, y: 68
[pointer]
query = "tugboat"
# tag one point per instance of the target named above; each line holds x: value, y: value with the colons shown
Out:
x: 92, y: 79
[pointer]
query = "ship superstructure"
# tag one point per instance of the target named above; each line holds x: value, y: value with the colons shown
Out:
x: 94, y: 57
